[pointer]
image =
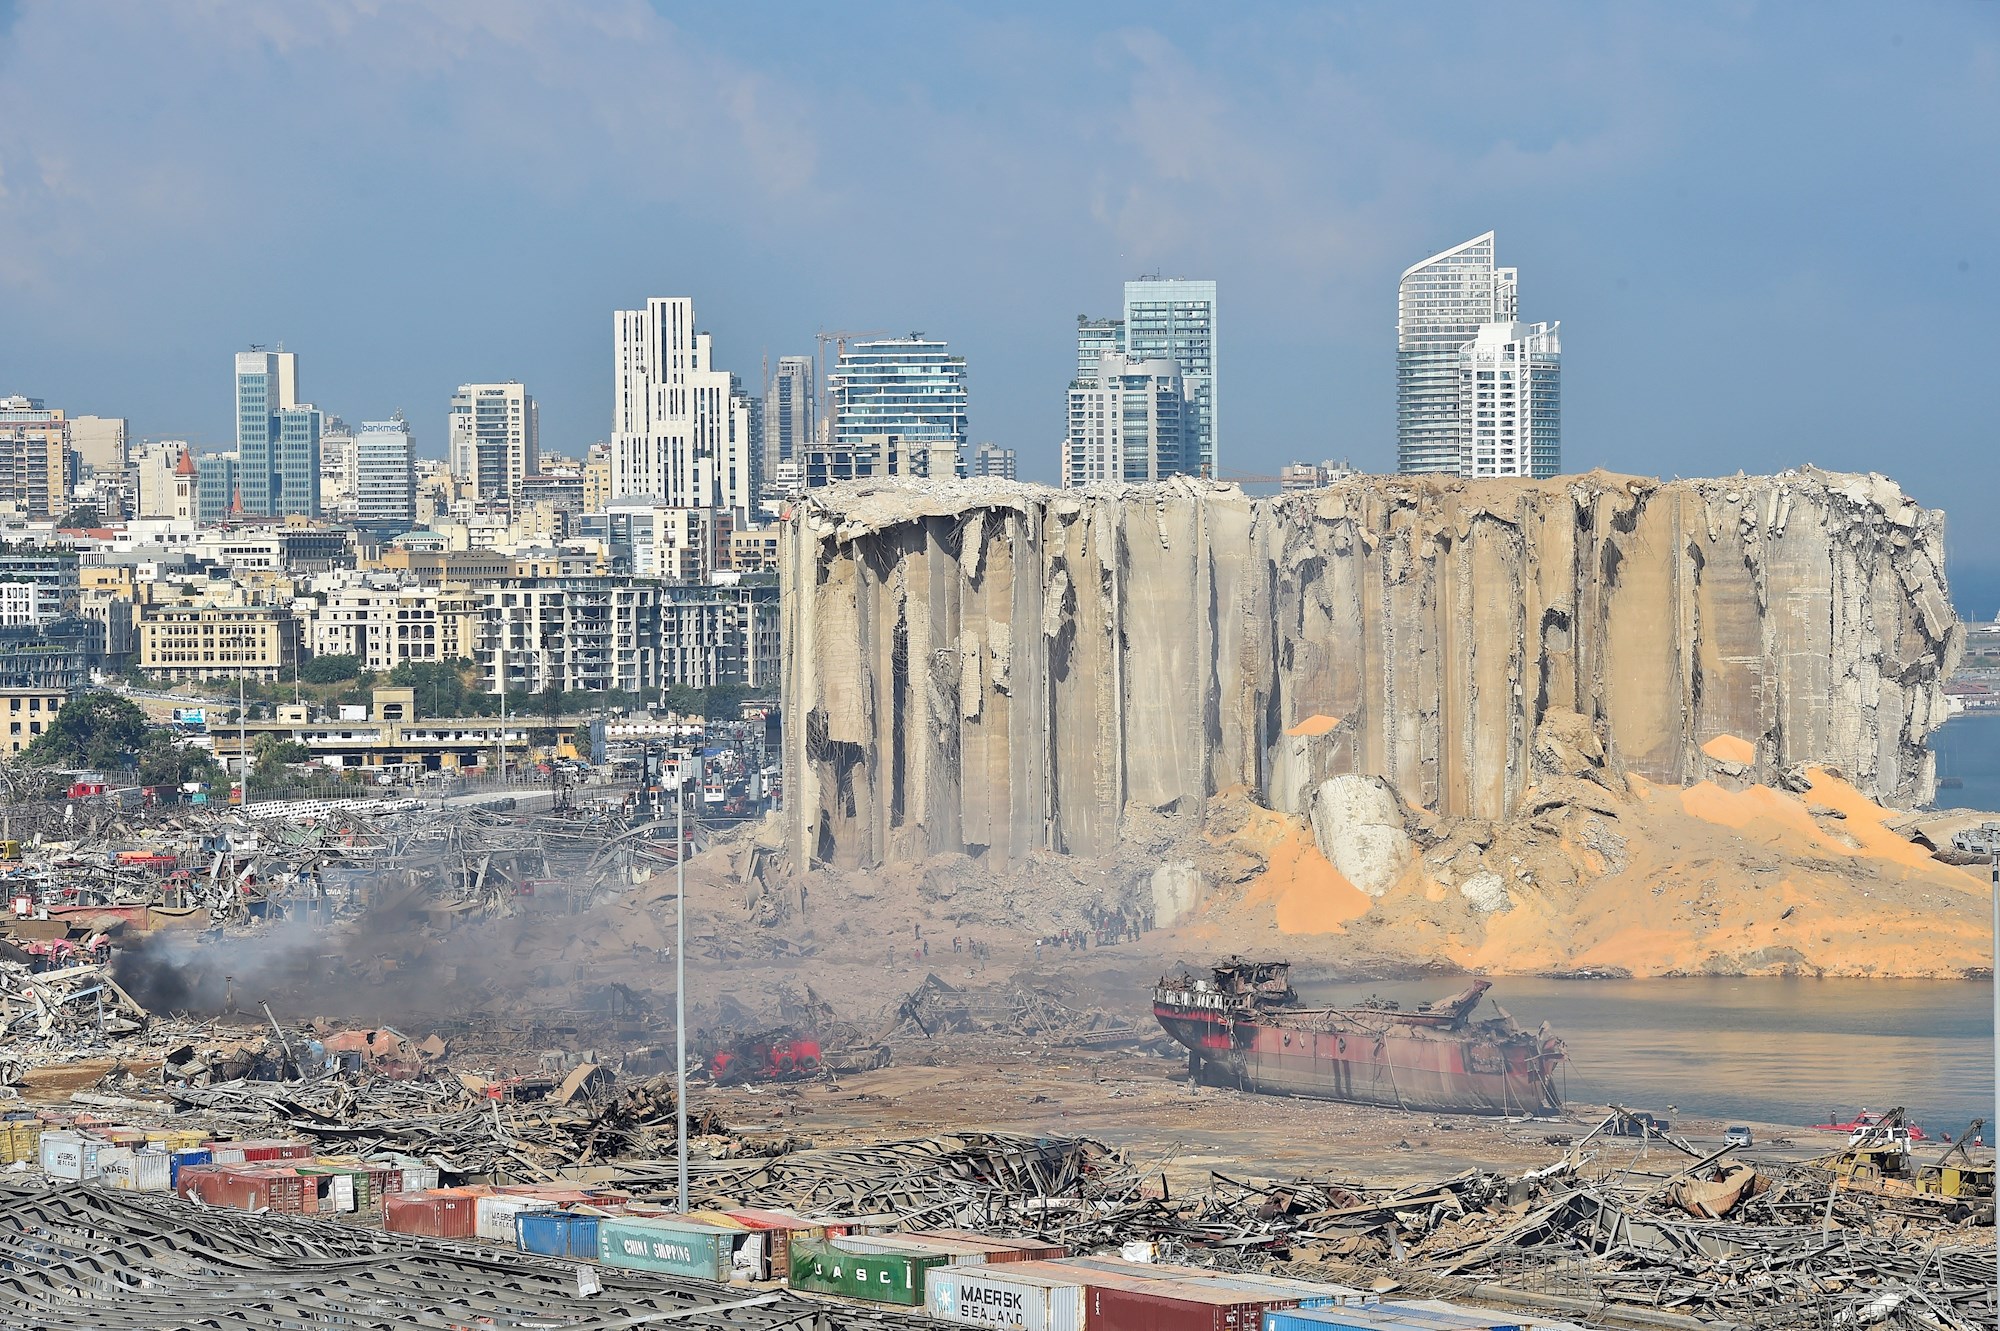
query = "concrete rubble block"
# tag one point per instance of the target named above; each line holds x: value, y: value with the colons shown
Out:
x: 1177, y: 890
x: 1357, y: 823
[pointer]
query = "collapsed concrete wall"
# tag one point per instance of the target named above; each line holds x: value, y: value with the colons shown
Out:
x: 997, y: 668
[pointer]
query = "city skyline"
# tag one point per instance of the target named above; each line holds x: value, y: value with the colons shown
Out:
x: 1303, y: 178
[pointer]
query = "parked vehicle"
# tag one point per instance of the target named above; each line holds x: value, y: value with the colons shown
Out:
x: 1738, y: 1135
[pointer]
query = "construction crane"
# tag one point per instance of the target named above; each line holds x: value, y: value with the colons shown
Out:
x: 839, y: 337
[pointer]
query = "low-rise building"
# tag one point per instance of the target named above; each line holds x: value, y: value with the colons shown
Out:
x: 27, y: 713
x: 719, y: 635
x: 390, y: 737
x: 383, y: 627
x: 182, y: 642
x: 584, y: 635
x: 56, y: 656
x: 754, y: 551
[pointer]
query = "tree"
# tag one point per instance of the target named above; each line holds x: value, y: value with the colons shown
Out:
x: 82, y: 516
x: 273, y: 756
x: 100, y: 730
x: 164, y: 763
x: 330, y: 669
x: 440, y: 687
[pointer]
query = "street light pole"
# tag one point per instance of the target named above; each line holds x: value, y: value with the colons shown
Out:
x: 680, y: 983
x: 243, y: 740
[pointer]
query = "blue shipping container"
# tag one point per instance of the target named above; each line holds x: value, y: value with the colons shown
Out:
x: 180, y: 1158
x: 557, y: 1234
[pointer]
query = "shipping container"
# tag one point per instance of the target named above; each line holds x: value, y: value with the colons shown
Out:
x: 245, y: 1188
x: 1118, y: 1266
x: 179, y: 1160
x: 999, y: 1249
x: 1389, y: 1317
x: 122, y: 1136
x: 357, y: 1193
x: 1451, y: 1316
x: 557, y: 1234
x: 1309, y: 1293
x: 136, y: 1171
x: 1116, y: 1301
x: 446, y: 1213
x: 677, y: 1247
x: 780, y: 1229
x: 752, y: 1258
x: 955, y: 1252
x: 493, y: 1217
x: 70, y: 1155
x: 273, y: 1149
x: 21, y: 1140
x: 224, y: 1153
x: 879, y: 1277
x: 1001, y: 1294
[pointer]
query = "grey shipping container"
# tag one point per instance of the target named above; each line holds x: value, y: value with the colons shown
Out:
x: 136, y: 1171
x: 998, y: 1295
x: 70, y: 1155
x: 676, y: 1247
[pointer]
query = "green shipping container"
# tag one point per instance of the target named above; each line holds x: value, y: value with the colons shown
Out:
x: 879, y: 1277
x: 364, y: 1196
x: 673, y: 1246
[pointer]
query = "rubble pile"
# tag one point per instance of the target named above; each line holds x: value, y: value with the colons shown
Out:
x: 466, y: 1126
x: 1712, y: 1243
x: 994, y: 1181
x: 937, y: 1007
x: 87, y: 1257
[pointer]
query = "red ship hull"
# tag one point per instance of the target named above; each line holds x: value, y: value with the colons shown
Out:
x: 1393, y: 1060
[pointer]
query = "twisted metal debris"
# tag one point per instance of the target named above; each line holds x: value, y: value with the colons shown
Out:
x: 79, y: 1257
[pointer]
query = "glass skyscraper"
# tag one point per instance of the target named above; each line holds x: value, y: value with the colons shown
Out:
x: 1440, y: 305
x: 1174, y: 319
x: 216, y: 479
x: 908, y: 388
x: 1095, y: 338
x: 266, y: 382
x: 295, y: 459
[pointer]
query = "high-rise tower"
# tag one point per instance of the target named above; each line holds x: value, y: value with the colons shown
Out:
x: 495, y: 438
x: 1440, y: 305
x: 1510, y: 401
x: 679, y: 429
x: 1174, y: 319
x: 277, y: 437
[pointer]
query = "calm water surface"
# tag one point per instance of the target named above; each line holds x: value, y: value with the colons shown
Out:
x: 1968, y: 748
x: 1771, y: 1050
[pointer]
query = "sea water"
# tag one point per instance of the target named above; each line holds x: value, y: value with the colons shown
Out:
x: 1790, y: 1051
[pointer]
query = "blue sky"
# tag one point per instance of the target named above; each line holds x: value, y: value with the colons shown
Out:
x: 1769, y: 230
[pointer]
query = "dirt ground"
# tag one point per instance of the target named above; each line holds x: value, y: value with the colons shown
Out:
x: 1143, y: 1105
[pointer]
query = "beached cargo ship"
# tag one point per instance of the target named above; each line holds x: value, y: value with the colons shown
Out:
x: 1245, y: 1027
